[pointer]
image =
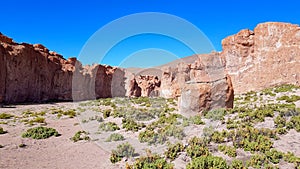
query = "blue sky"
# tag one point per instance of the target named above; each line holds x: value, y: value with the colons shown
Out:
x: 65, y: 26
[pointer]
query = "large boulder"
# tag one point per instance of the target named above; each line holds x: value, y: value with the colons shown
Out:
x: 208, y: 88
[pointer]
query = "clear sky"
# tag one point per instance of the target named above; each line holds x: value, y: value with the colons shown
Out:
x: 65, y: 26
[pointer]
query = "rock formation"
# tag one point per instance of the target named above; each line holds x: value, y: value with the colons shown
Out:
x: 202, y: 85
x: 144, y: 86
x: 267, y: 56
x: 250, y: 60
x: 32, y: 73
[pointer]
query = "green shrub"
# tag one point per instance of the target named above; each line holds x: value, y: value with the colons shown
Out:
x: 106, y: 113
x: 288, y: 99
x: 231, y: 124
x: 174, y: 131
x: 294, y: 123
x: 2, y: 131
x: 131, y: 125
x: 5, y: 116
x: 22, y: 145
x: 217, y: 114
x: 80, y: 135
x: 40, y: 133
x: 269, y: 92
x: 173, y: 150
x: 237, y: 164
x: 109, y: 126
x: 291, y: 158
x: 71, y: 113
x: 207, y: 162
x: 257, y: 161
x: 143, y: 115
x: 115, y: 137
x: 152, y: 137
x: 196, y: 120
x: 218, y: 137
x: 151, y: 162
x: 197, y: 147
x: 97, y: 118
x: 274, y: 156
x: 252, y: 139
x: 281, y: 131
x: 123, y: 150
x: 280, y: 121
x: 285, y: 88
x: 36, y: 120
x: 146, y: 136
x: 228, y: 150
x: 207, y: 133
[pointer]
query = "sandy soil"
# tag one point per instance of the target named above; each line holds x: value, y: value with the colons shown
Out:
x: 54, y: 152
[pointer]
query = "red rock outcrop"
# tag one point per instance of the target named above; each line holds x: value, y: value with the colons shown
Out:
x: 144, y: 86
x: 32, y: 73
x: 267, y: 56
x: 134, y: 89
x: 204, y: 85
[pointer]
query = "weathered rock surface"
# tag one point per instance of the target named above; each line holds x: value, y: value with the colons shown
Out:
x: 200, y: 86
x: 32, y: 73
x: 267, y: 56
x: 144, y: 86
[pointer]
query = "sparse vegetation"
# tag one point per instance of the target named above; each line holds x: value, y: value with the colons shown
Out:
x: 115, y: 137
x: 197, y: 147
x: 2, y: 131
x: 237, y: 164
x: 40, y: 133
x: 207, y: 162
x: 217, y: 114
x: 5, y: 116
x: 294, y: 123
x: 37, y: 119
x: 70, y: 113
x: 106, y: 113
x: 109, y: 126
x: 196, y: 120
x: 228, y: 150
x: 155, y: 121
x: 274, y: 156
x: 285, y: 88
x: 80, y: 135
x: 150, y: 162
x: 152, y: 137
x: 292, y: 98
x: 131, y: 125
x: 22, y: 145
x: 123, y: 150
x: 173, y: 150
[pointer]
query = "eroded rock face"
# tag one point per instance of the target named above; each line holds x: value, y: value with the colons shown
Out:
x: 32, y: 73
x: 208, y: 86
x: 144, y: 86
x: 267, y: 56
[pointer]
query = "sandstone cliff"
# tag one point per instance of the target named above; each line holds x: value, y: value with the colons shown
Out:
x: 32, y: 73
x: 267, y: 56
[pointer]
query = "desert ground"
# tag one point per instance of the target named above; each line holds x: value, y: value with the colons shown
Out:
x: 98, y: 119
